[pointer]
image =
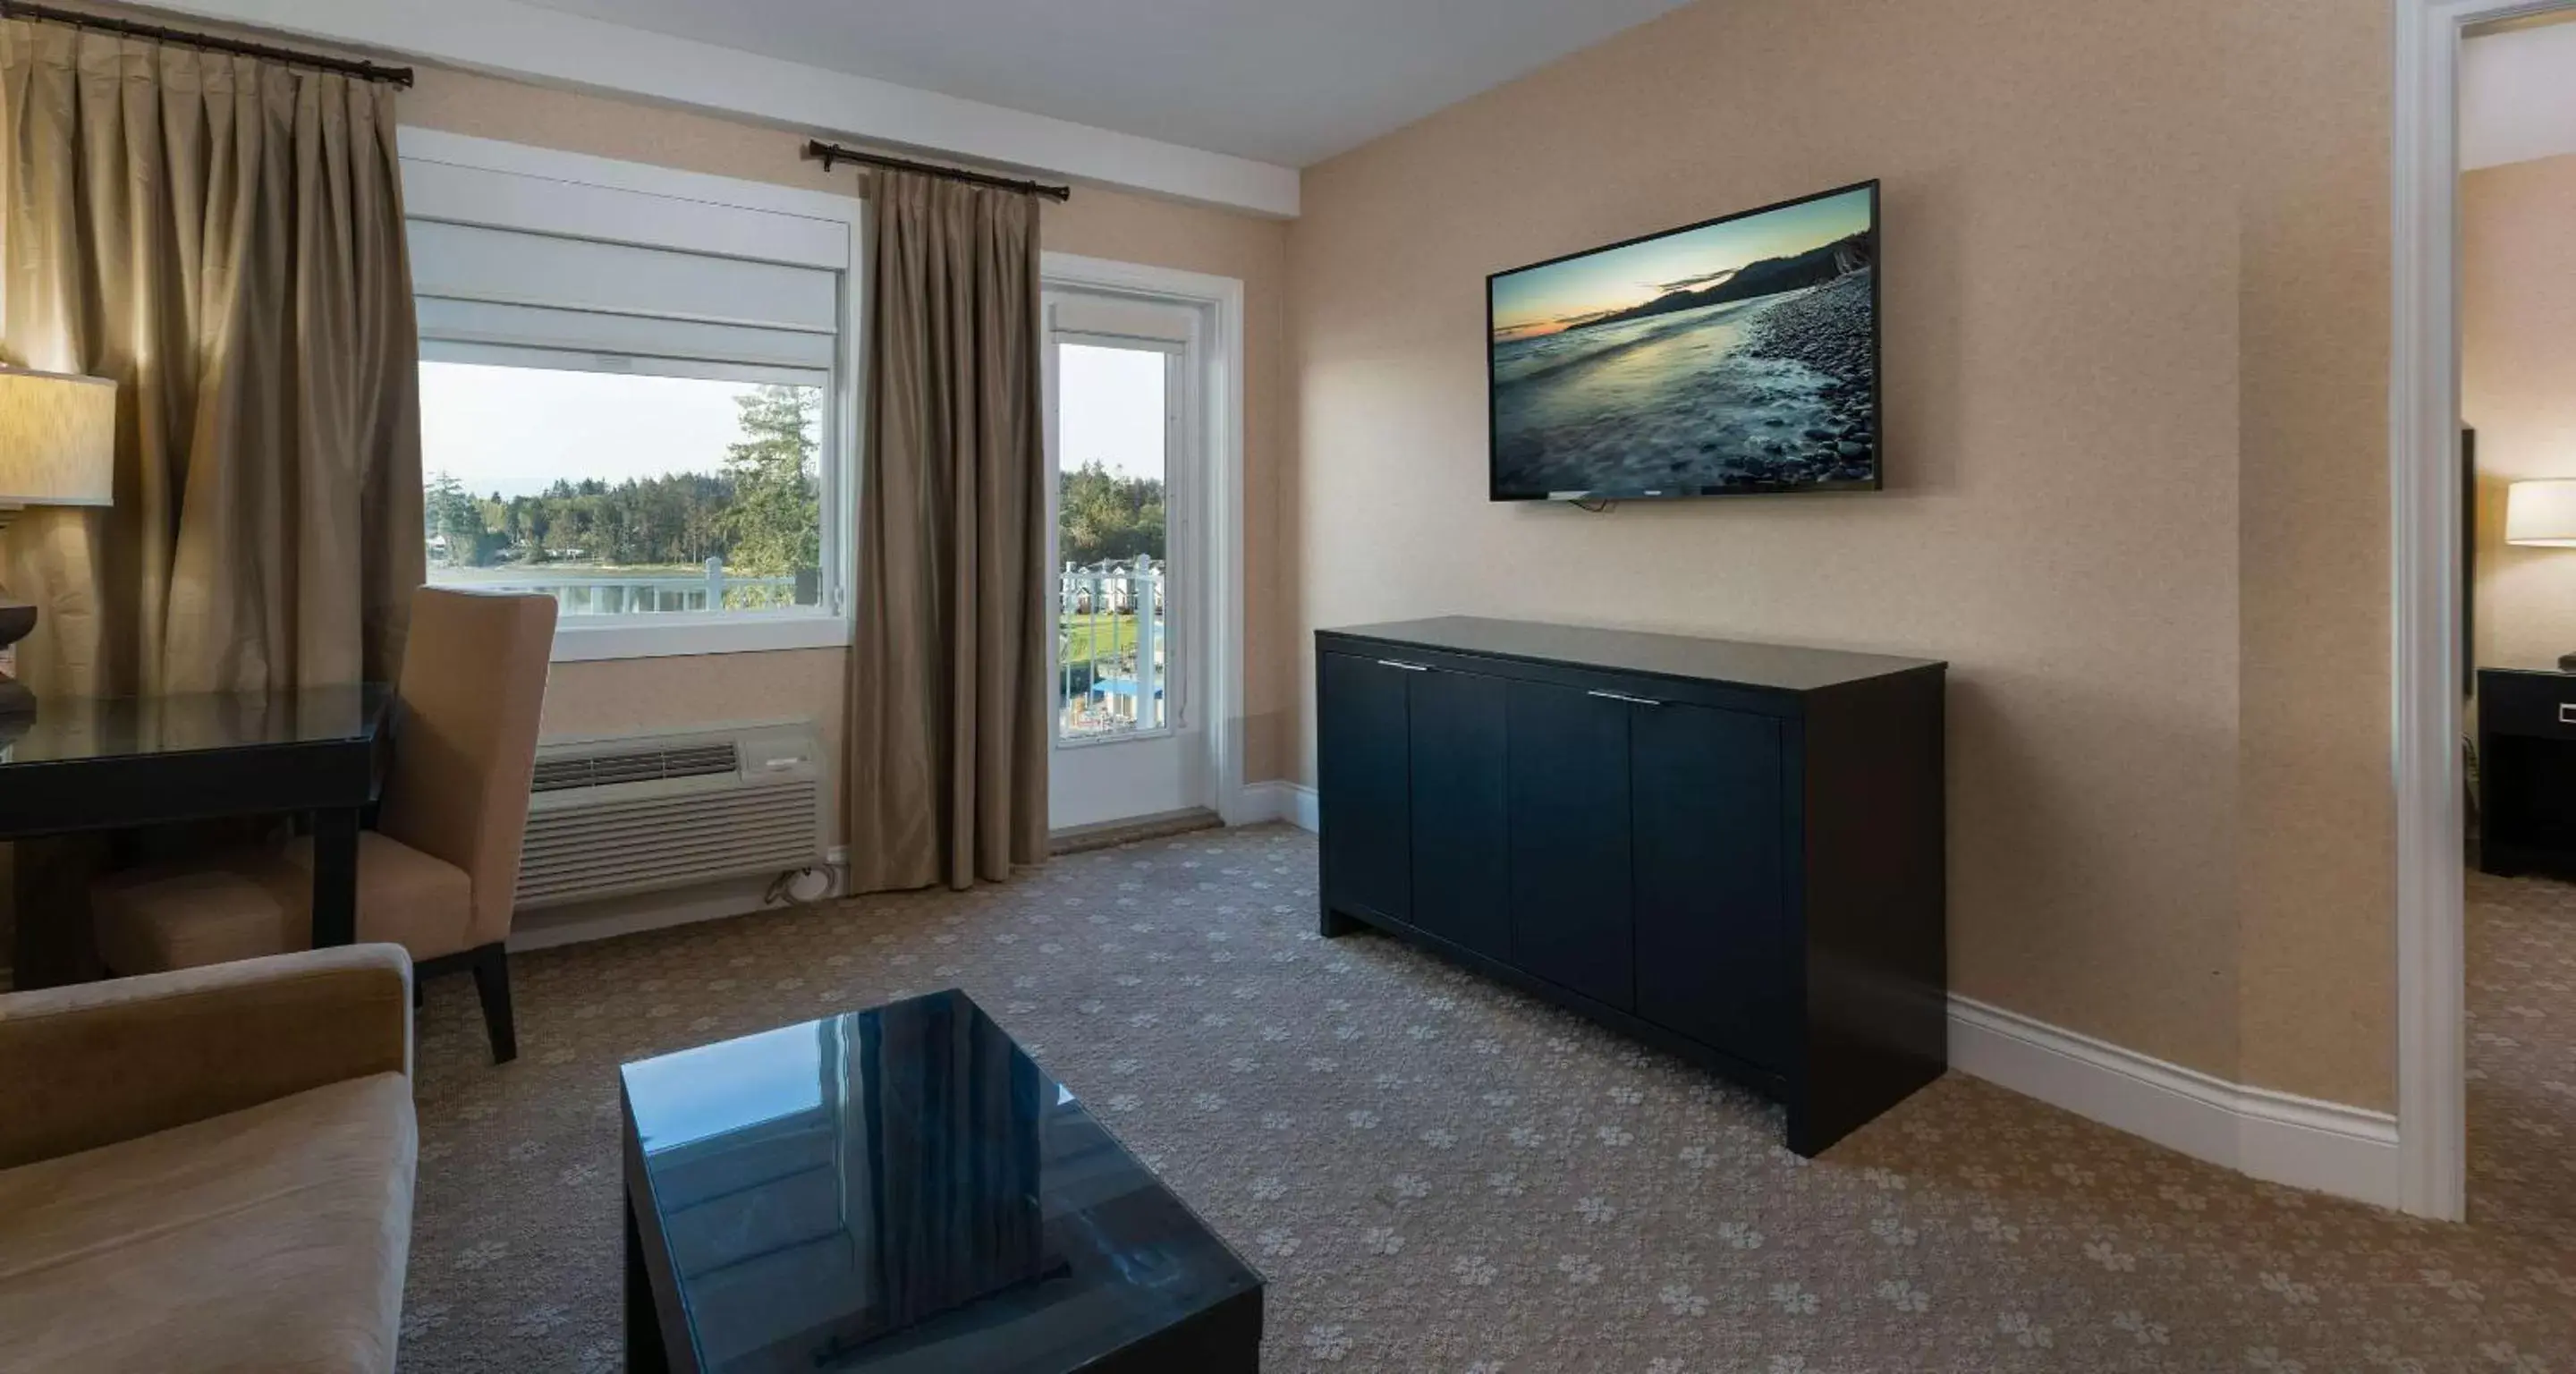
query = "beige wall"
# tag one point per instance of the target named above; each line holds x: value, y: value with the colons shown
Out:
x: 2134, y: 357
x: 2308, y: 119
x: 587, y: 697
x: 2518, y: 388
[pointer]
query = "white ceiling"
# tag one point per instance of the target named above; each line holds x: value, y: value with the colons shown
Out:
x: 1290, y: 82
x: 2518, y: 95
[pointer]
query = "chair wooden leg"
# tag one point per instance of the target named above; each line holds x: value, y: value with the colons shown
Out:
x: 492, y: 982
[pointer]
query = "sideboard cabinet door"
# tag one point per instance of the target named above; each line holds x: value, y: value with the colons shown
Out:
x: 1710, y: 824
x: 1461, y: 868
x: 1363, y: 765
x: 1569, y: 840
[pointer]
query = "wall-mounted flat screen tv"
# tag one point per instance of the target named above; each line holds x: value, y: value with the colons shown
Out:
x: 1739, y: 355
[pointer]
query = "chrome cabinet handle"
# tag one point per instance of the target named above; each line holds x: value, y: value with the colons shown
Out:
x: 1398, y: 663
x: 1622, y: 696
x: 2567, y: 713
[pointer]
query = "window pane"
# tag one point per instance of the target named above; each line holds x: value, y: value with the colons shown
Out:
x: 1113, y: 641
x: 620, y: 494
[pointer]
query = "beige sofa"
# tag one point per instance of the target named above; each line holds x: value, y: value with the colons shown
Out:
x: 209, y: 1169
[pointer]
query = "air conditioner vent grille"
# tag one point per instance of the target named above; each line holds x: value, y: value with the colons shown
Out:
x: 653, y: 812
x: 622, y: 847
x: 611, y: 767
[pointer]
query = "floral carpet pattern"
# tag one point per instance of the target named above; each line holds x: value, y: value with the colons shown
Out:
x: 1438, y: 1174
x: 2522, y: 1060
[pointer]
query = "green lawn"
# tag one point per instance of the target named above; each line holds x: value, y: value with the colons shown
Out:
x: 1114, y: 634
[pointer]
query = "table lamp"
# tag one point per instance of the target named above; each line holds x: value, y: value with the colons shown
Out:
x: 2542, y: 515
x: 57, y: 448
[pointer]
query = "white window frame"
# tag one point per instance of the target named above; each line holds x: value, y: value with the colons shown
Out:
x: 445, y: 178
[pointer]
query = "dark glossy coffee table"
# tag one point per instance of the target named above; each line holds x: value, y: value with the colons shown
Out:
x: 903, y: 1189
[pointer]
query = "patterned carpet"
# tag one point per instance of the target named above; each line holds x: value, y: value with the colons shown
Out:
x: 2522, y: 1062
x: 1436, y: 1174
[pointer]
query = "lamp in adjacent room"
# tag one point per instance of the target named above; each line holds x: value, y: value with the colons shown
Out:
x: 57, y: 448
x: 2542, y: 515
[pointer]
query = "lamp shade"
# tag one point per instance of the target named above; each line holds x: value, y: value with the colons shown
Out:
x: 57, y: 439
x: 2541, y: 513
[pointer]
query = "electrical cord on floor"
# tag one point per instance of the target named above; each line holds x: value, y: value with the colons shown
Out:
x: 782, y: 889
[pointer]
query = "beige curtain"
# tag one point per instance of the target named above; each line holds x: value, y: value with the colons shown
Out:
x: 223, y: 236
x: 948, y: 707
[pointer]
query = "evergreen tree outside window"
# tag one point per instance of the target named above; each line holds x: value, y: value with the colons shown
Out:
x: 624, y: 493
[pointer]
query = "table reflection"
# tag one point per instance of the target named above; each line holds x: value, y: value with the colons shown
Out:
x: 901, y: 1189
x: 67, y: 729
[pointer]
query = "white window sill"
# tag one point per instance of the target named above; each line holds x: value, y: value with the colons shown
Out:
x: 594, y: 638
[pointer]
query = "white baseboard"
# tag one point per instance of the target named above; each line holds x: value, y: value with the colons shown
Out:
x: 2276, y: 1136
x: 1292, y: 802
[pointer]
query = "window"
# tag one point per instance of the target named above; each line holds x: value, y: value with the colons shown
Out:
x: 637, y: 395
x: 622, y: 493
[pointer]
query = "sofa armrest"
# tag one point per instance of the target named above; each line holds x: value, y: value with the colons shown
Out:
x: 97, y: 1063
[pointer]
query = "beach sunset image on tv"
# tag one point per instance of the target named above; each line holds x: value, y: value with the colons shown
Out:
x: 1736, y: 356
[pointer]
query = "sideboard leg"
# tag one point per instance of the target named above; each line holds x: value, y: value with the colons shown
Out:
x: 1335, y: 924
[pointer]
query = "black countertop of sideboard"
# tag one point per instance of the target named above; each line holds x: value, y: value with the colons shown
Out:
x: 1778, y: 667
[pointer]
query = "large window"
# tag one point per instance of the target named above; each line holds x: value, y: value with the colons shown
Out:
x: 624, y: 494
x: 637, y: 395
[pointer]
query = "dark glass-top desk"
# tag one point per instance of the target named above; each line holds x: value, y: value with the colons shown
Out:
x: 117, y: 763
x: 903, y: 1190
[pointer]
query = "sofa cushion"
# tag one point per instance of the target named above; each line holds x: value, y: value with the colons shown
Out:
x: 272, y: 1239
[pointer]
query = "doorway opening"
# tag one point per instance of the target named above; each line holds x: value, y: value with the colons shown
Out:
x: 1145, y: 659
x: 2516, y: 323
x: 2479, y: 770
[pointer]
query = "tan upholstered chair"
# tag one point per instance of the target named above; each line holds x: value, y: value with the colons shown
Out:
x: 439, y: 873
x: 208, y: 1170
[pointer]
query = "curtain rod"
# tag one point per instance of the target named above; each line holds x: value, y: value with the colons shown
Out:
x: 830, y: 153
x: 349, y: 66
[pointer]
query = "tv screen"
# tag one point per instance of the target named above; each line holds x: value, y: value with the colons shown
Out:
x: 1738, y: 355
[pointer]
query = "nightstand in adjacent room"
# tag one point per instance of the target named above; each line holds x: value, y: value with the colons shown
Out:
x: 2526, y: 771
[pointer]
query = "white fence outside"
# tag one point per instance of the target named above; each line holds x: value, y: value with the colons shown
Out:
x: 1112, y: 645
x: 1112, y: 628
x: 583, y: 591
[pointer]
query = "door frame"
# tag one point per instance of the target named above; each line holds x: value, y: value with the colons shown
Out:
x: 1219, y: 420
x: 2425, y: 590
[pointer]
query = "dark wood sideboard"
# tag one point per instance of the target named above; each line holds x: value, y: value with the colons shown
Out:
x: 2527, y: 771
x: 1731, y: 851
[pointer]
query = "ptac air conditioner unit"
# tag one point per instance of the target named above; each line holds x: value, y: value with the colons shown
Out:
x: 611, y: 816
